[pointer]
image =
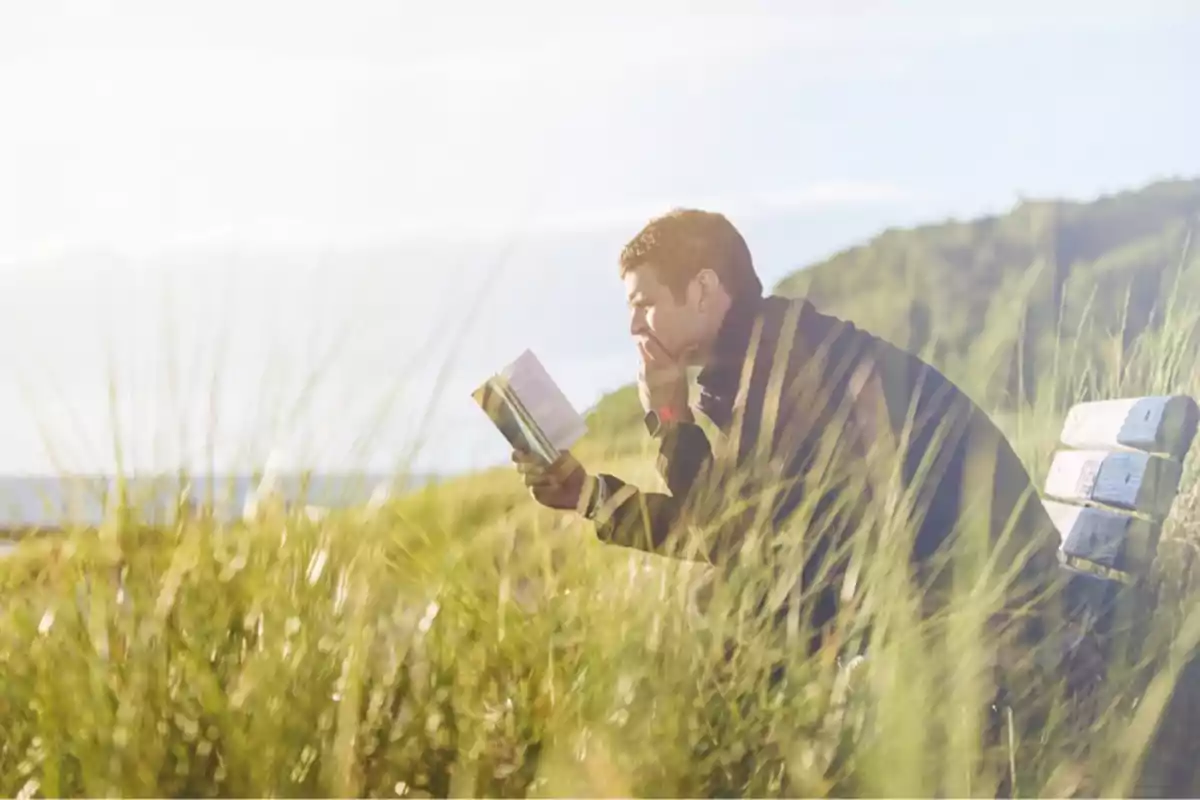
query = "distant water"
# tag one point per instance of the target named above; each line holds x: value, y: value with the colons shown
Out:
x: 50, y: 501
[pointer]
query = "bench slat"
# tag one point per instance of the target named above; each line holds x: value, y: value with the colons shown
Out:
x: 1162, y: 424
x: 1130, y: 480
x: 1109, y: 538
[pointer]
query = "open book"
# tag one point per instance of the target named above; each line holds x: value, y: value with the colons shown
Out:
x: 529, y: 409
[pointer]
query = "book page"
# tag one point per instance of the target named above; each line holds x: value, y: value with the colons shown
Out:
x: 547, y: 406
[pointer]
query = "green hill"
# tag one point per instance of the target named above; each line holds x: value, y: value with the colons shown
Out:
x: 1052, y: 289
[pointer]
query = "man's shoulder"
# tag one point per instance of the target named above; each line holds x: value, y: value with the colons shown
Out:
x: 779, y: 305
x: 817, y: 328
x: 779, y: 311
x: 814, y: 329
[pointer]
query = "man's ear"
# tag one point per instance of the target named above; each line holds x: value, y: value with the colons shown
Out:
x: 708, y: 286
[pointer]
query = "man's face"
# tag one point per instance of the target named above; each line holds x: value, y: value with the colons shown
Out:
x: 656, y: 314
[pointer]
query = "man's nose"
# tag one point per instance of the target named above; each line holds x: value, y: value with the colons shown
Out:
x: 637, y: 324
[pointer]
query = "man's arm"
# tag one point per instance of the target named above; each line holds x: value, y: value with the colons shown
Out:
x: 629, y: 517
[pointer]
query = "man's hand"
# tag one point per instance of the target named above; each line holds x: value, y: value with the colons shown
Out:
x: 561, y: 485
x: 662, y: 382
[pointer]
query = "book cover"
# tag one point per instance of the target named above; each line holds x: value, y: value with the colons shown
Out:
x: 529, y: 409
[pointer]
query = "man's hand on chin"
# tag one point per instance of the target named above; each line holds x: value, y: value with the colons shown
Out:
x: 663, y: 383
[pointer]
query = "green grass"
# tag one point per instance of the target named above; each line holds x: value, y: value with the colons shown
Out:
x: 465, y: 642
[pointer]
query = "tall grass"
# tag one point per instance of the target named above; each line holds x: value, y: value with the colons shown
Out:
x: 464, y: 642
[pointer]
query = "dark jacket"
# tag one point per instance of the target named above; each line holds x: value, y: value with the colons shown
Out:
x: 802, y: 399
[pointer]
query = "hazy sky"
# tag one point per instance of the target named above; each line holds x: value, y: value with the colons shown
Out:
x: 239, y: 186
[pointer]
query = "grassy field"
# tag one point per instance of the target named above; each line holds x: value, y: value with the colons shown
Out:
x: 465, y: 642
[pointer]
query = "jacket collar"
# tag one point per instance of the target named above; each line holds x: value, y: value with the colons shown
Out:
x: 720, y: 378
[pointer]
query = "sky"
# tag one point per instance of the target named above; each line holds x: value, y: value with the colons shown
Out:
x: 322, y: 224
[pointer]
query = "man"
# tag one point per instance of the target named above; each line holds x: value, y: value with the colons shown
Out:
x: 819, y: 420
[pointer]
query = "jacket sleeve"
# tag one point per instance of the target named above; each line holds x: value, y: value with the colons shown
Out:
x: 650, y: 520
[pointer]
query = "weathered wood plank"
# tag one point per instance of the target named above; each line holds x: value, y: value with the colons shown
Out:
x: 1109, y: 538
x: 1129, y: 479
x: 1163, y: 424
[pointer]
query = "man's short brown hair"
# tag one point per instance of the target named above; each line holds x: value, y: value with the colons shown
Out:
x: 683, y: 242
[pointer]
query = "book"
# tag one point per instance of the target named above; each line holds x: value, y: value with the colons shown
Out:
x: 530, y: 410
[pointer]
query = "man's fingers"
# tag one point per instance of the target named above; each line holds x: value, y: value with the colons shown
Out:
x: 531, y: 465
x: 653, y: 353
x: 540, y: 477
x: 540, y: 482
x: 650, y: 355
x: 545, y: 481
x: 535, y: 473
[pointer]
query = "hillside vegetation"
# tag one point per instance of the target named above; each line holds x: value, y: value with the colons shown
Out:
x: 1090, y: 278
x: 466, y: 642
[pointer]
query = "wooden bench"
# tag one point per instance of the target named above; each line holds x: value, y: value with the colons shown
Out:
x: 1111, y: 490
